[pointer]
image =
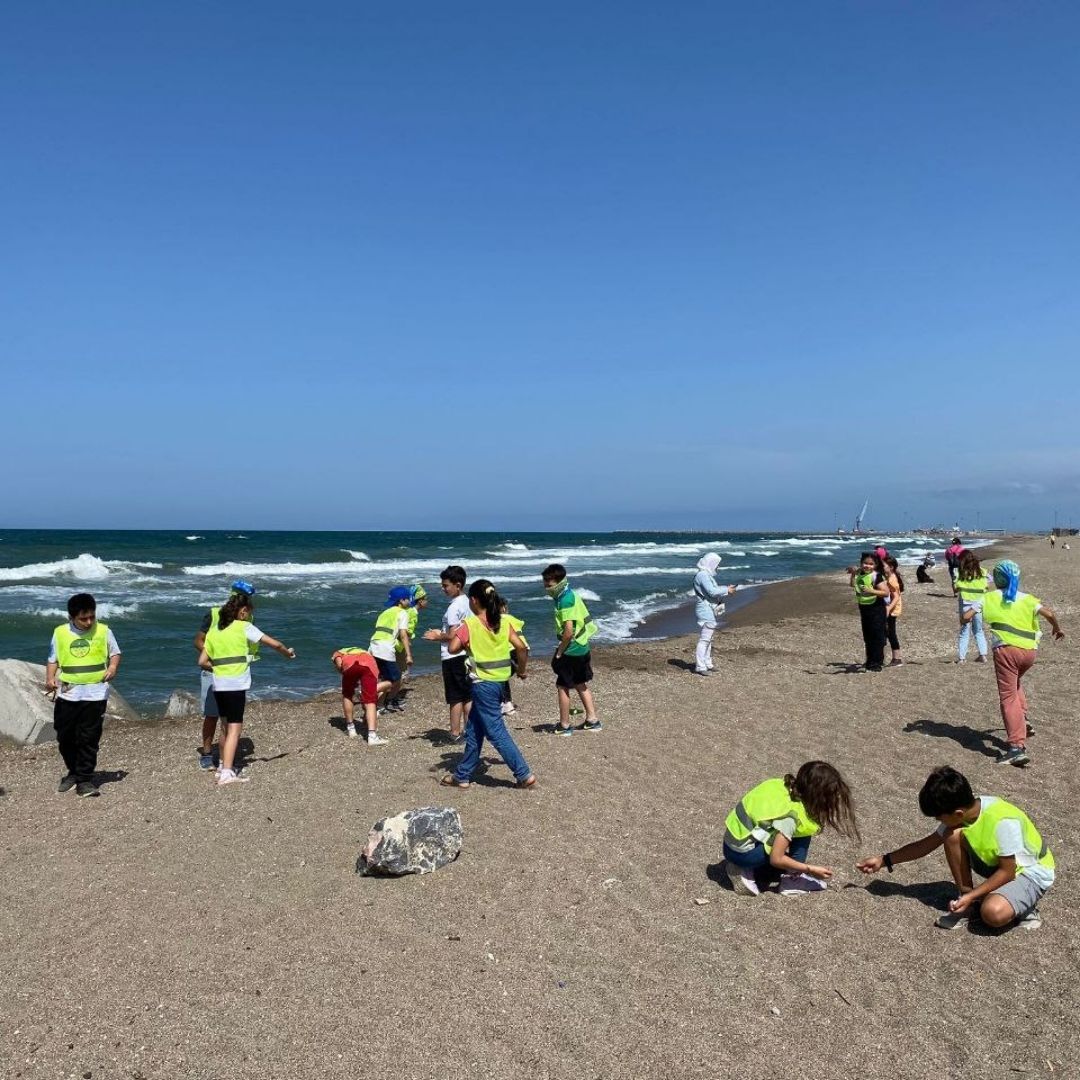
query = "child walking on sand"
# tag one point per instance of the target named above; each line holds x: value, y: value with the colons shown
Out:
x: 226, y: 653
x: 985, y: 834
x: 84, y: 653
x: 488, y: 637
x: 772, y: 824
x: 572, y: 662
x: 1013, y: 619
x: 358, y: 668
x: 457, y: 688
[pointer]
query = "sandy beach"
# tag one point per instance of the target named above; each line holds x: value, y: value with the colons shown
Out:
x: 225, y: 933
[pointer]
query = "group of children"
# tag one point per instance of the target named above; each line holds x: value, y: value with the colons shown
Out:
x: 985, y: 601
x: 770, y: 829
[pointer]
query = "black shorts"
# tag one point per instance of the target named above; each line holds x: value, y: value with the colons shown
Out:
x: 230, y: 705
x: 457, y: 685
x: 572, y: 670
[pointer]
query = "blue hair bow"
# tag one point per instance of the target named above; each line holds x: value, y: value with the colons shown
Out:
x: 1007, y: 579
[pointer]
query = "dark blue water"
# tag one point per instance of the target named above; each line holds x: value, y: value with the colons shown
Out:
x: 318, y: 591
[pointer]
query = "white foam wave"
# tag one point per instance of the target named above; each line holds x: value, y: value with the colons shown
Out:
x: 84, y: 567
x: 360, y: 556
x: 194, y: 537
x: 105, y: 611
x: 587, y: 594
x: 619, y: 624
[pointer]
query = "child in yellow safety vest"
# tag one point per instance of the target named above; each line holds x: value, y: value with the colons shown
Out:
x: 84, y: 654
x: 772, y: 824
x: 508, y: 707
x: 1012, y: 617
x: 989, y: 836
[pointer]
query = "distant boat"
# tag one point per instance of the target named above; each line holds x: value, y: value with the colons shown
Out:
x: 857, y: 527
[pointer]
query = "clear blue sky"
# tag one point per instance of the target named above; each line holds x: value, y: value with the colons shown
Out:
x: 588, y: 265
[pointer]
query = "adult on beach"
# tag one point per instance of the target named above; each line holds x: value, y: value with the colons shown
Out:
x: 206, y: 678
x: 488, y: 637
x: 709, y: 593
x: 226, y: 653
x: 868, y: 581
x: 1012, y: 618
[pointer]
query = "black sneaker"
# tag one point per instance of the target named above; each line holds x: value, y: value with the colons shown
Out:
x: 66, y: 783
x: 86, y: 789
x: 1015, y: 755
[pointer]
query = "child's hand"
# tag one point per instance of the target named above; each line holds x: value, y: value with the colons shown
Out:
x: 1058, y: 635
x: 822, y: 872
x: 961, y: 903
x: 433, y: 635
x: 871, y: 865
x: 290, y: 653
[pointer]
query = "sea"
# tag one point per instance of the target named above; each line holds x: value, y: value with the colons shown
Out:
x: 318, y: 591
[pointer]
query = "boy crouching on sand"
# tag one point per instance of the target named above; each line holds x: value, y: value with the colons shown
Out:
x: 86, y: 655
x: 993, y: 837
x: 358, y: 668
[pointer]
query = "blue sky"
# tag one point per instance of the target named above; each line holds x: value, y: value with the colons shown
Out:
x: 715, y: 265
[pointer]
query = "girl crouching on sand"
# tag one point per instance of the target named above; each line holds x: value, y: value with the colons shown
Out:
x: 227, y: 654
x: 772, y: 824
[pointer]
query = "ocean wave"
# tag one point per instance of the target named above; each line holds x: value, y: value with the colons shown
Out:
x: 84, y: 567
x: 105, y: 611
x: 587, y: 594
x: 194, y: 537
x: 612, y: 551
x: 620, y: 623
x: 360, y: 556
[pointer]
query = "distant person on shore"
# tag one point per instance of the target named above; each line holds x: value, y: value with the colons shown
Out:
x: 922, y: 575
x: 488, y: 637
x: 359, y: 668
x: 868, y: 581
x: 85, y: 656
x: 572, y: 662
x: 227, y: 653
x: 972, y: 581
x: 710, y: 594
x: 391, y: 633
x: 952, y: 559
x: 894, y: 607
x: 772, y: 824
x: 1052, y: 541
x: 457, y: 689
x: 1013, y: 620
x: 207, y: 758
x: 518, y: 625
x: 985, y: 834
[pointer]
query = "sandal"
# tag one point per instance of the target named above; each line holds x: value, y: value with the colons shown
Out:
x: 449, y: 781
x: 528, y: 782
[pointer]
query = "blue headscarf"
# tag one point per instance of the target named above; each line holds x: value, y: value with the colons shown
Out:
x: 1007, y: 579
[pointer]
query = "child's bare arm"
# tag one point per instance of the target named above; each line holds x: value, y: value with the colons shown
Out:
x: 917, y: 849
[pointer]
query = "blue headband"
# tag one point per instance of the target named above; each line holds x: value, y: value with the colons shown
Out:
x: 1007, y: 579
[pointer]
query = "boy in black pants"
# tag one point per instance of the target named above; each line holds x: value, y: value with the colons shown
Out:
x: 86, y: 656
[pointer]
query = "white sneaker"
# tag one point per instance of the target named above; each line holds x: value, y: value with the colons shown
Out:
x: 227, y: 776
x: 796, y: 884
x: 351, y: 730
x: 375, y: 739
x: 1031, y: 921
x: 508, y: 708
x: 742, y: 880
x: 950, y: 920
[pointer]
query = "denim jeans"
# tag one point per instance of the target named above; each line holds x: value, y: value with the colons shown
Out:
x: 966, y: 629
x: 757, y: 856
x: 486, y: 721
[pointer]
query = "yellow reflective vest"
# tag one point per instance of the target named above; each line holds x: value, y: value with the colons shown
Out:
x: 1012, y: 624
x: 82, y: 658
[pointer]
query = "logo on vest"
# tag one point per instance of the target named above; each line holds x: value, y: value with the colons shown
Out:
x: 79, y: 647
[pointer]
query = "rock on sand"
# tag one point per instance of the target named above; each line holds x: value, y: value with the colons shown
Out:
x: 412, y: 842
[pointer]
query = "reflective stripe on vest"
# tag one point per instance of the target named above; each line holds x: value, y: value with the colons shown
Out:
x: 386, y: 624
x: 82, y: 658
x: 1002, y: 620
x: 227, y: 649
x: 489, y: 649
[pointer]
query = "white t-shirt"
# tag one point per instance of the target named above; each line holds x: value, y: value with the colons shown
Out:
x: 1009, y: 835
x: 454, y: 617
x: 239, y: 682
x: 386, y: 648
x: 95, y: 691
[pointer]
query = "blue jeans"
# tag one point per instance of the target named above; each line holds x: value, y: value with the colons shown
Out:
x: 976, y: 624
x: 757, y: 856
x: 486, y: 721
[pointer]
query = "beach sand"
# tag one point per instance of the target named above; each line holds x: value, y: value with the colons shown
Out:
x: 169, y: 929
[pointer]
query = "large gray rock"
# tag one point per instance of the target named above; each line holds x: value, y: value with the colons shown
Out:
x: 182, y: 705
x: 412, y: 842
x: 26, y: 713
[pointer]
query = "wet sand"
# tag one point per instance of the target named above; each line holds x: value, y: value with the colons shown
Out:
x: 169, y: 929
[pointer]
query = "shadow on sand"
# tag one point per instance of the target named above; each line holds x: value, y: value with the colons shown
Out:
x: 982, y: 741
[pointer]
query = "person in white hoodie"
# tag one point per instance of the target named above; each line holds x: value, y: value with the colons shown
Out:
x: 710, y: 594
